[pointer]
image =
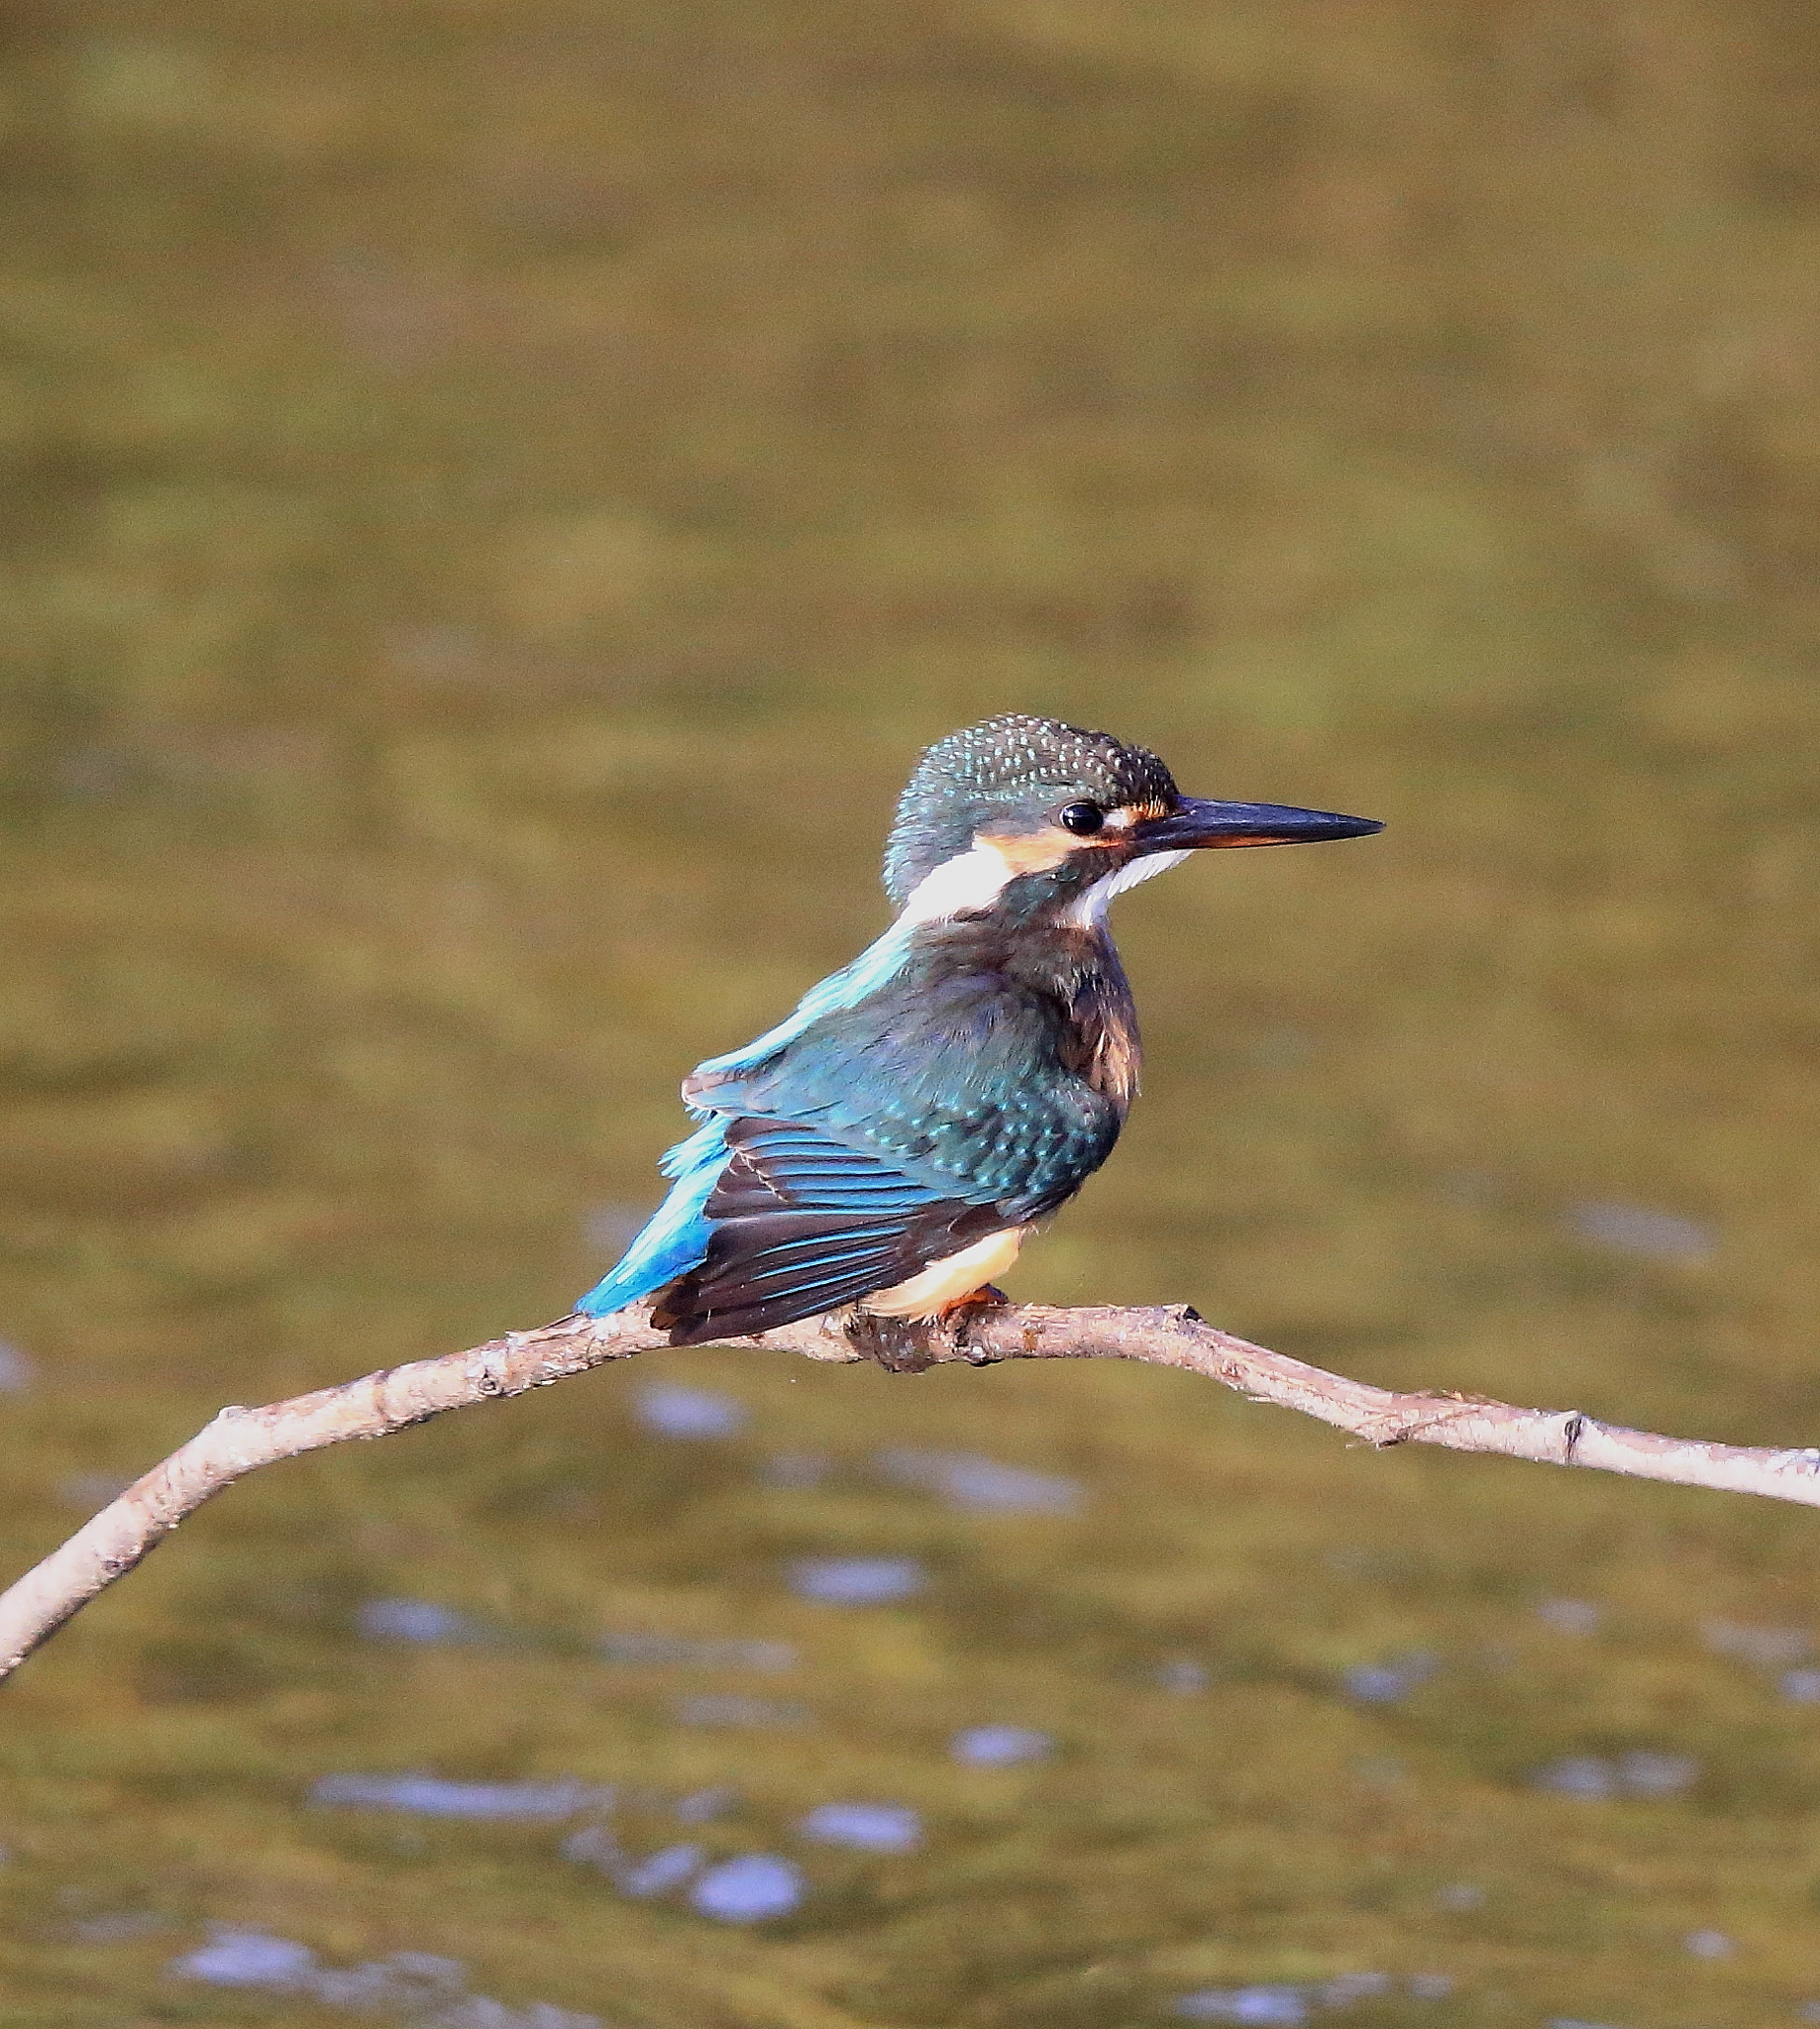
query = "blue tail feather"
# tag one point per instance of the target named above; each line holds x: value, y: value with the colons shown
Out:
x: 675, y: 1239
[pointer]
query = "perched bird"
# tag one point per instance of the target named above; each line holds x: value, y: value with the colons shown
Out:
x: 892, y: 1144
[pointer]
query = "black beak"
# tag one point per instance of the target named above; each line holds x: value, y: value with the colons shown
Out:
x: 1195, y: 822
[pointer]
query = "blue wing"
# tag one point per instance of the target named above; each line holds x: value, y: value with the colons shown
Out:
x: 800, y: 1224
x: 676, y: 1237
x: 902, y: 1113
x: 770, y: 1221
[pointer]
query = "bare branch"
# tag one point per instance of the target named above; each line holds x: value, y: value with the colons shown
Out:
x: 240, y: 1439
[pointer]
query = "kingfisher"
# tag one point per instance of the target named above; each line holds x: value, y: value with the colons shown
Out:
x: 891, y: 1144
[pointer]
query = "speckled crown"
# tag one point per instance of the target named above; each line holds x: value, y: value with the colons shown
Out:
x: 1009, y: 767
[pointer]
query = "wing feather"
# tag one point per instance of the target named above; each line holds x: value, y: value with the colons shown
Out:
x: 800, y: 1224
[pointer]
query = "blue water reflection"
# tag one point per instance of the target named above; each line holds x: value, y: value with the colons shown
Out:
x: 641, y: 1649
x: 1708, y: 1944
x: 754, y: 1888
x: 866, y: 1827
x: 966, y: 1480
x: 1293, y: 2003
x: 1268, y: 2004
x: 1569, y: 1616
x: 856, y: 1582
x: 1000, y: 1746
x: 1766, y: 1647
x: 669, y: 1868
x: 1642, y: 1774
x: 408, y: 1983
x: 1638, y: 1230
x: 415, y: 1619
x: 672, y: 1410
x: 431, y: 1797
x: 1383, y: 1683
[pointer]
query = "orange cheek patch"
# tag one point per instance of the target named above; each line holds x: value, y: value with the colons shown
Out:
x: 1031, y: 852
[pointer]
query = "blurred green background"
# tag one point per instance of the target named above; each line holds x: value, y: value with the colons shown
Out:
x: 498, y: 493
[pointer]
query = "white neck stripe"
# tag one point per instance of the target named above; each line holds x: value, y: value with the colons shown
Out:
x: 974, y: 880
x: 970, y: 880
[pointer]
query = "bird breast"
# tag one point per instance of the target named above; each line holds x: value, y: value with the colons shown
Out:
x: 1105, y: 1049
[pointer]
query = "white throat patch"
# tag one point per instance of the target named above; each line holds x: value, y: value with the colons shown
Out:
x: 1088, y: 910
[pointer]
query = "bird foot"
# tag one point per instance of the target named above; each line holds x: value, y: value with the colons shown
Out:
x: 911, y: 1345
x: 954, y: 1321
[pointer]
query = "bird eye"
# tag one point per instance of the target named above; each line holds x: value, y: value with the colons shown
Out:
x: 1083, y: 820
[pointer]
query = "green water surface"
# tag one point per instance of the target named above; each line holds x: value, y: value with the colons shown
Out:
x: 498, y: 493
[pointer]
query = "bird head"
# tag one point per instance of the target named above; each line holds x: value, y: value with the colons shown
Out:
x: 1048, y: 817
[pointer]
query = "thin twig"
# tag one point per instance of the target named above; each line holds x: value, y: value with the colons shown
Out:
x: 240, y: 1439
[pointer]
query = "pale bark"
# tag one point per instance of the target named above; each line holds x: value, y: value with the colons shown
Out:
x: 238, y: 1440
